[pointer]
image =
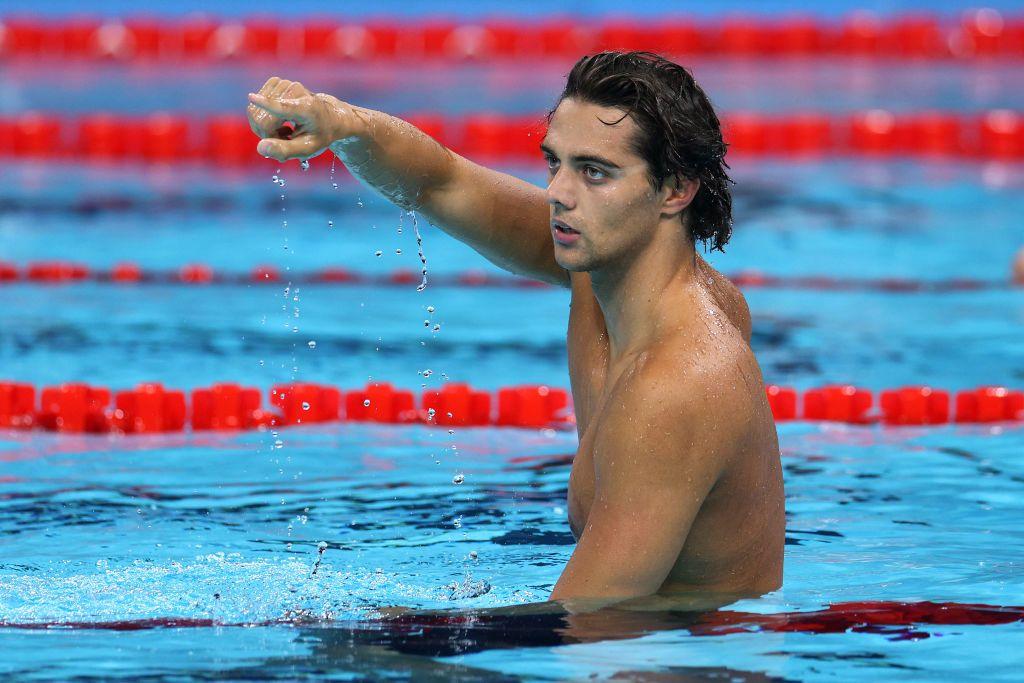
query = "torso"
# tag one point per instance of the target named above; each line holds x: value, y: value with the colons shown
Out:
x: 735, y: 542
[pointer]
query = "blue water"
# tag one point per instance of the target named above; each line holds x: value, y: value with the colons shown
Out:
x: 226, y: 527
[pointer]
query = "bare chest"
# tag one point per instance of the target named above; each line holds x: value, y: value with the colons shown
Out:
x: 588, y: 372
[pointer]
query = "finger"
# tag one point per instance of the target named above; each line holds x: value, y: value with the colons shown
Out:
x: 279, y: 89
x: 283, y: 150
x: 262, y: 123
x: 269, y: 86
x: 294, y: 91
x: 290, y: 109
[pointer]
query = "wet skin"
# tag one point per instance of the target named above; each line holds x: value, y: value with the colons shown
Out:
x: 676, y: 489
x: 676, y: 486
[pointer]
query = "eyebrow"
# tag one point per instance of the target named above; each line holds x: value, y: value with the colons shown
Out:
x: 583, y: 158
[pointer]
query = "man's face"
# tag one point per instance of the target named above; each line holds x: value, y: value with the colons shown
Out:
x: 597, y: 187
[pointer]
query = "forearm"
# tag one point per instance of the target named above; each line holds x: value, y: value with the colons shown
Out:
x: 394, y: 157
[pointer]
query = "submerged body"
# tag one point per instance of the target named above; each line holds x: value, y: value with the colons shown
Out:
x: 676, y: 489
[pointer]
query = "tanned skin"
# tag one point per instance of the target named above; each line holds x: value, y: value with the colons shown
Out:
x: 676, y: 489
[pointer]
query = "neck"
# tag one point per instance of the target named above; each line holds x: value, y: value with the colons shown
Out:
x: 633, y: 293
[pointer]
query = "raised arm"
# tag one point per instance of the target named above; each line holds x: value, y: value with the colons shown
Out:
x: 503, y: 217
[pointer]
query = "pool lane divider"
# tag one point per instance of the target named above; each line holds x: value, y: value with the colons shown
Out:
x: 202, y: 41
x: 226, y: 139
x: 151, y: 408
x: 459, y: 632
x: 69, y: 272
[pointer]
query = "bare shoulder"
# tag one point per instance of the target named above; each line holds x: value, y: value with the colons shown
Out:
x: 728, y: 298
x: 681, y: 409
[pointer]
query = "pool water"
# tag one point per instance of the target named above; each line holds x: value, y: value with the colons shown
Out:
x: 198, y: 556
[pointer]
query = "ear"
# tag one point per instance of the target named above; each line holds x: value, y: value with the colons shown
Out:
x: 678, y: 193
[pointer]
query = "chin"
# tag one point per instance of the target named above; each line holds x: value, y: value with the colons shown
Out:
x: 573, y: 265
x: 575, y: 260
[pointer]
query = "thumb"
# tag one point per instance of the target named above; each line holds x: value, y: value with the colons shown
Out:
x: 283, y: 150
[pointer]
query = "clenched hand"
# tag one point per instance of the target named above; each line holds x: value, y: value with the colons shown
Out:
x: 318, y: 119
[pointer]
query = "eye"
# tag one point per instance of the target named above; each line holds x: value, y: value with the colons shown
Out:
x: 552, y: 162
x: 594, y: 173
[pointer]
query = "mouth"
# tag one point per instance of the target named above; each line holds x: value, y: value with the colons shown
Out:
x: 563, y: 229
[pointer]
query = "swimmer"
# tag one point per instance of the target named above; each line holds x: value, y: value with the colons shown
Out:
x: 1018, y: 267
x: 676, y: 487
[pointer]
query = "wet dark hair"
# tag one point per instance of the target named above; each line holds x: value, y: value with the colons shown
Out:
x: 679, y: 131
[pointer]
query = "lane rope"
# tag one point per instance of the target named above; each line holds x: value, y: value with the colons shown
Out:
x: 69, y: 272
x: 978, y: 34
x: 151, y: 408
x: 226, y: 139
x: 452, y: 633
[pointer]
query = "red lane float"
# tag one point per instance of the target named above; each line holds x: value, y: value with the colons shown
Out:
x: 163, y: 138
x: 151, y: 408
x: 916, y: 405
x: 65, y: 272
x: 981, y: 33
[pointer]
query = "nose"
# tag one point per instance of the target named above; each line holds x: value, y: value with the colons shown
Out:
x: 560, y: 191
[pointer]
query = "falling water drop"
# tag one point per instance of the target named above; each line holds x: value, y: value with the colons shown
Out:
x: 366, y: 403
x: 304, y: 164
x: 419, y: 251
x: 458, y: 479
x: 312, y: 344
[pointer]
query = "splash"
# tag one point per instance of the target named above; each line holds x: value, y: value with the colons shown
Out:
x: 321, y: 548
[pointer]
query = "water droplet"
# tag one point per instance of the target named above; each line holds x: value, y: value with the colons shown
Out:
x: 430, y: 309
x: 472, y: 554
x: 428, y: 372
x: 305, y: 405
x: 284, y: 224
x: 330, y: 224
x: 312, y: 344
x: 321, y: 546
x: 430, y: 413
x: 458, y: 479
x: 398, y: 251
x: 366, y: 403
x: 437, y: 328
x: 378, y: 252
x: 262, y: 363
x: 304, y: 164
x: 278, y: 443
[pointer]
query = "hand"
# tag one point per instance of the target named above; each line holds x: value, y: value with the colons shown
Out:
x: 319, y: 120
